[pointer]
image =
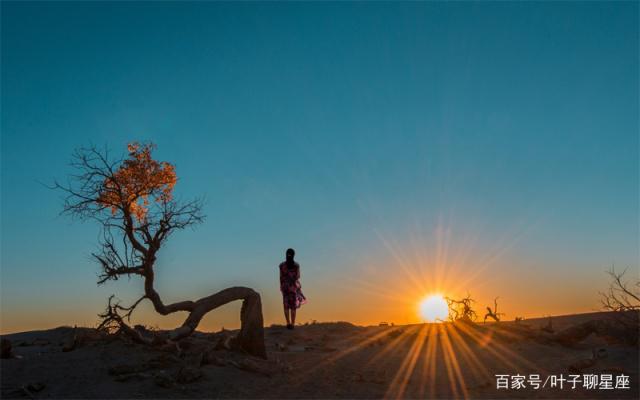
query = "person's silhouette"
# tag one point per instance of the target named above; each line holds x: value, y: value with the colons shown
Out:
x: 292, y: 297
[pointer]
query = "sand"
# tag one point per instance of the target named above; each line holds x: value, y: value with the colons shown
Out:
x: 321, y: 360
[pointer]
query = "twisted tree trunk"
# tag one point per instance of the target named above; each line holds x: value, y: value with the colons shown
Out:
x: 251, y: 336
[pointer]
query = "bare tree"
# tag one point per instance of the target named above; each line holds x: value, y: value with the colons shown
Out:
x: 131, y: 198
x: 493, y: 313
x: 461, y: 309
x: 623, y: 298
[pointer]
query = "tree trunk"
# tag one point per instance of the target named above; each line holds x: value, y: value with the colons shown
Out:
x: 251, y: 336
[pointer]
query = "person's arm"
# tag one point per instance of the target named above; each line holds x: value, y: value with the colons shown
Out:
x: 281, y: 276
x: 298, y: 272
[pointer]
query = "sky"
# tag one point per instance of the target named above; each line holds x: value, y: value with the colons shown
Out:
x: 402, y: 149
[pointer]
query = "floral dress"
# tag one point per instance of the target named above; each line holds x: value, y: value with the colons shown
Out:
x: 290, y: 287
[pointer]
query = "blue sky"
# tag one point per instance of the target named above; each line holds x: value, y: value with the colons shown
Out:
x: 496, y: 140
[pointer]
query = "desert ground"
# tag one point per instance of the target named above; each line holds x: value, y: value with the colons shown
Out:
x: 323, y: 360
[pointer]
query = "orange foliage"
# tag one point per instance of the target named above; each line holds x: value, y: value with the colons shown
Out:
x: 138, y: 178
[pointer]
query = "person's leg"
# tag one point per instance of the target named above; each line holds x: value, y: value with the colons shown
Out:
x: 293, y: 316
x: 286, y: 315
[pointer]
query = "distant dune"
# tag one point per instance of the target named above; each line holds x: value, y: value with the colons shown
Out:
x: 323, y: 360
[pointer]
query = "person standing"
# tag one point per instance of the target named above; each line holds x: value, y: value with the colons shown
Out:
x: 292, y: 297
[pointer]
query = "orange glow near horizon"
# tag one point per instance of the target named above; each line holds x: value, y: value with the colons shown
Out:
x: 384, y: 285
x: 389, y: 284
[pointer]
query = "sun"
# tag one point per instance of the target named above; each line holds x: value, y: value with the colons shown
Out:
x: 434, y: 308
